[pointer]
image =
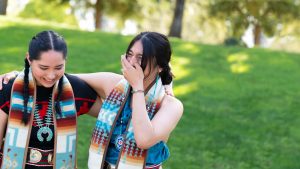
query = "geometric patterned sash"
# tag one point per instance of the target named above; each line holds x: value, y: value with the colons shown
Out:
x: 130, y: 157
x: 18, y: 134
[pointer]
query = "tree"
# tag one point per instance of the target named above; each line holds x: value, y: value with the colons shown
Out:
x: 3, y: 6
x: 265, y: 16
x: 122, y: 8
x: 98, y: 13
x: 176, y: 26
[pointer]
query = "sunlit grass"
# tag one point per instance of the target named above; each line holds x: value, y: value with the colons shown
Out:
x: 179, y: 67
x: 238, y: 62
x: 186, y: 89
x: 189, y: 48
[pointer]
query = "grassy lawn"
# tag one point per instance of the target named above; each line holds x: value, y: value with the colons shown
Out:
x: 241, y: 105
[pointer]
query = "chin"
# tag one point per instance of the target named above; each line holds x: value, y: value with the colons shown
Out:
x: 46, y: 85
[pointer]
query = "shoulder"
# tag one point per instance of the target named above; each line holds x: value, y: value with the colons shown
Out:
x: 173, y: 104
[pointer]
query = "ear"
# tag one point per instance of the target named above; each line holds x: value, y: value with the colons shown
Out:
x: 27, y: 57
x: 160, y: 70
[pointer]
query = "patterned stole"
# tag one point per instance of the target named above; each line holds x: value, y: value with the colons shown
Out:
x: 18, y: 134
x: 131, y: 157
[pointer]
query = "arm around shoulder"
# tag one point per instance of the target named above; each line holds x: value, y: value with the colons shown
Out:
x: 101, y: 82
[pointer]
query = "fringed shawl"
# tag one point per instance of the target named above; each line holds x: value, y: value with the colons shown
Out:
x: 131, y: 157
x: 18, y: 134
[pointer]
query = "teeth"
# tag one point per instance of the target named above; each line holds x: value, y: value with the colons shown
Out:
x: 49, y: 81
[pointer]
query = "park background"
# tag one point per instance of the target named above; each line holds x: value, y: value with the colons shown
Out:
x: 236, y: 63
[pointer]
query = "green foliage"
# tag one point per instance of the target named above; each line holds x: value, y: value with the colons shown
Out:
x: 49, y: 10
x: 241, y: 106
x: 118, y: 9
x: 267, y: 14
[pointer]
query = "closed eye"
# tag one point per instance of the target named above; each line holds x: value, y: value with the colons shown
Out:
x: 43, y: 68
x: 128, y: 55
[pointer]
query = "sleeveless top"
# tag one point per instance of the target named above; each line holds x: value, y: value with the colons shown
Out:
x: 156, y: 154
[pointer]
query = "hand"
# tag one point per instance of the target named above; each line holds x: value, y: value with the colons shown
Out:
x: 133, y: 74
x: 6, y: 77
x: 169, y: 89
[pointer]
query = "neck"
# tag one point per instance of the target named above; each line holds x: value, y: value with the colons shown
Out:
x: 148, y: 82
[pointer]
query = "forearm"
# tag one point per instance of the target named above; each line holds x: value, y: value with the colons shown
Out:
x: 93, y: 80
x: 144, y: 132
x: 101, y: 82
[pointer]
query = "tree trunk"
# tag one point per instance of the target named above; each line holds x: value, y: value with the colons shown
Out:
x: 175, y: 30
x: 257, y: 34
x: 98, y: 14
x: 3, y: 5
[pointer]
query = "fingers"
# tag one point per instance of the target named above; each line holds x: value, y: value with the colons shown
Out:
x: 169, y: 89
x: 6, y: 79
x: 138, y: 67
x: 125, y: 63
x: 123, y: 57
x: 122, y: 62
x: 3, y: 79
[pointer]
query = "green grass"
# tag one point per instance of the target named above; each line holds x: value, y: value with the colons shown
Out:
x: 241, y: 105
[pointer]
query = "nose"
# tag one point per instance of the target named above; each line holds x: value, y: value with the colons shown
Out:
x: 51, y: 75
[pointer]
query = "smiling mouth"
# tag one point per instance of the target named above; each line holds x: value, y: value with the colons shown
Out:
x: 49, y: 81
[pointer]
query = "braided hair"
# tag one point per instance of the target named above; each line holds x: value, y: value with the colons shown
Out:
x: 43, y: 42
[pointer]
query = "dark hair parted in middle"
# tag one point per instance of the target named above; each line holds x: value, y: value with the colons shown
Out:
x: 43, y: 42
x: 157, y: 51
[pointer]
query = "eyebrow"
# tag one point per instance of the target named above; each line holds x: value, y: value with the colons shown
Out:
x: 49, y: 66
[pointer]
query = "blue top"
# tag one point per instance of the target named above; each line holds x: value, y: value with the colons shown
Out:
x: 156, y: 154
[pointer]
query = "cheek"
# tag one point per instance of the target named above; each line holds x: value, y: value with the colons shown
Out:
x: 60, y: 73
x: 37, y: 72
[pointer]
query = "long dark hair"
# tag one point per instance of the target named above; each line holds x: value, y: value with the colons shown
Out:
x: 43, y: 42
x: 156, y: 50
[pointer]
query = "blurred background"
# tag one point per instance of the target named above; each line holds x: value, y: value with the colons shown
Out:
x: 265, y: 23
x: 236, y: 66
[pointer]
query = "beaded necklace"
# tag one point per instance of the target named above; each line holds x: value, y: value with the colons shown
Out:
x: 44, y: 126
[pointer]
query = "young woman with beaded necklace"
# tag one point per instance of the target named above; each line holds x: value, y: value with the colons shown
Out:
x: 40, y: 106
